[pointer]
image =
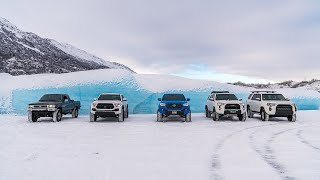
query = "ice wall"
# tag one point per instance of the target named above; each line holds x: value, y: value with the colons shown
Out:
x: 142, y: 91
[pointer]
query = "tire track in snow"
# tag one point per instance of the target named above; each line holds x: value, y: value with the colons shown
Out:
x: 216, y: 162
x: 304, y: 141
x: 268, y: 154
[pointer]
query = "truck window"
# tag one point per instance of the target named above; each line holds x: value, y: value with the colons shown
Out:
x: 250, y: 96
x: 173, y: 97
x: 51, y: 98
x: 115, y: 97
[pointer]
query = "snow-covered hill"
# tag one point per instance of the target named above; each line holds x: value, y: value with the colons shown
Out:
x: 311, y: 85
x: 27, y: 53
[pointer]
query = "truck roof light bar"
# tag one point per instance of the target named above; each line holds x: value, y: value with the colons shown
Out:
x: 263, y: 91
x: 216, y: 92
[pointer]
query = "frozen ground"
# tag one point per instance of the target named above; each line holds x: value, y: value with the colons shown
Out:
x: 141, y: 148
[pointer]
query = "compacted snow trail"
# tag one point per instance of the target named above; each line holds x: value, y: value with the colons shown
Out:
x: 141, y: 148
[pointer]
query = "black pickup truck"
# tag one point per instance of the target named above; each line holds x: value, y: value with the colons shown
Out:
x: 53, y: 105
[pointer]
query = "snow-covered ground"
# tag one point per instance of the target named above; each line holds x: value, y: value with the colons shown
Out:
x: 141, y: 148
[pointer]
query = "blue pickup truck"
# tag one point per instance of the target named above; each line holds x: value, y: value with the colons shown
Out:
x: 174, y: 105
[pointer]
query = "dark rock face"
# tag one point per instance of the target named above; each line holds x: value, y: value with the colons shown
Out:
x: 26, y: 53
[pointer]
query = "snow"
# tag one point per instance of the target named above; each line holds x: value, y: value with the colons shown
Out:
x: 141, y: 90
x: 83, y: 55
x: 141, y: 148
x: 34, y: 49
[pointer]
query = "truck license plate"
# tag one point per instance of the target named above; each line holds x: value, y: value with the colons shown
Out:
x: 174, y: 112
x: 233, y: 111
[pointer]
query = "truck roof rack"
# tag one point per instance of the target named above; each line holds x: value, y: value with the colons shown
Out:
x: 263, y: 91
x: 216, y: 92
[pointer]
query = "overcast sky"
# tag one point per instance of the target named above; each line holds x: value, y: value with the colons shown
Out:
x: 207, y: 39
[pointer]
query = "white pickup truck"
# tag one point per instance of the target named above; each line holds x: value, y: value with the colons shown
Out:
x: 270, y: 104
x: 223, y: 103
x: 109, y: 105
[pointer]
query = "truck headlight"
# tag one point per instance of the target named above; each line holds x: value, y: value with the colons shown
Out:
x: 117, y: 105
x: 51, y: 106
x: 221, y: 104
x: 31, y: 106
x: 94, y: 105
x: 162, y: 104
x: 186, y: 104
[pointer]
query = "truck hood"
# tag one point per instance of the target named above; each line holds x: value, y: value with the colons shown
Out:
x: 45, y: 103
x: 280, y: 102
x: 107, y: 101
x: 229, y: 102
x: 174, y: 102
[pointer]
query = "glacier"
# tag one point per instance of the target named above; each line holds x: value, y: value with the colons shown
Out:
x: 141, y: 90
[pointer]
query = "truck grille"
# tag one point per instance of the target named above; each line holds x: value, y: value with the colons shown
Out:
x: 232, y: 106
x: 105, y: 106
x: 174, y: 106
x: 284, y: 108
x: 40, y: 107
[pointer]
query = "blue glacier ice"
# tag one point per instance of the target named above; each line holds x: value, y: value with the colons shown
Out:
x: 141, y: 101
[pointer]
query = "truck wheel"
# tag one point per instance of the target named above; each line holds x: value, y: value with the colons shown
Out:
x: 292, y: 118
x: 264, y: 115
x: 75, y: 112
x: 208, y: 113
x: 121, y: 116
x: 188, y: 117
x: 32, y: 117
x: 57, y: 115
x: 93, y: 117
x: 127, y: 112
x: 159, y: 117
x: 250, y: 114
x: 216, y: 116
x: 242, y: 117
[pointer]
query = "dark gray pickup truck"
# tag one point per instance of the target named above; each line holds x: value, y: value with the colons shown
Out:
x: 53, y: 105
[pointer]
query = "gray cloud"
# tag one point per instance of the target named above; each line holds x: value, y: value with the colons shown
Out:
x: 274, y: 39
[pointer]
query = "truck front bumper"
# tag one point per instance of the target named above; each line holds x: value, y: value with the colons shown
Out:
x: 179, y: 112
x: 106, y: 112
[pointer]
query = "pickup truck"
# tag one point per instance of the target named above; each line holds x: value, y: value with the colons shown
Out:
x: 174, y: 105
x: 109, y: 105
x: 53, y: 105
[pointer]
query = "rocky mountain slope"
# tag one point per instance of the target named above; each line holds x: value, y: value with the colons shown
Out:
x: 27, y: 53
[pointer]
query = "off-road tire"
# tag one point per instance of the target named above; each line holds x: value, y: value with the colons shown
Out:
x: 75, y: 112
x: 93, y: 117
x: 292, y: 118
x: 121, y: 116
x: 32, y: 117
x: 188, y: 117
x: 57, y: 115
x: 159, y: 117
x: 264, y: 115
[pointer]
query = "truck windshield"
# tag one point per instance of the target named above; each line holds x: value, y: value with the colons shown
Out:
x: 112, y: 97
x: 51, y: 98
x: 274, y: 97
x: 226, y: 97
x: 173, y: 97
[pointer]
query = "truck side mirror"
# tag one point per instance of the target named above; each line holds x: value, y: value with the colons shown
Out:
x: 211, y: 99
x: 188, y: 99
x: 94, y: 99
x: 240, y: 99
x: 287, y: 99
x: 159, y: 99
x: 124, y: 99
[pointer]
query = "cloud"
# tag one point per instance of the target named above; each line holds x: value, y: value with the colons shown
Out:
x: 275, y: 40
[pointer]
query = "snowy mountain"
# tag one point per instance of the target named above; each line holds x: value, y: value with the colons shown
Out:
x: 310, y: 85
x: 27, y: 53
